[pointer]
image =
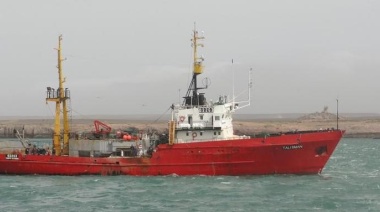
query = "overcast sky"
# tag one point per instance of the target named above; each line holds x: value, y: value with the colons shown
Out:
x: 134, y: 57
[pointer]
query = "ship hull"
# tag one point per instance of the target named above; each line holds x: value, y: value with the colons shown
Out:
x: 291, y: 153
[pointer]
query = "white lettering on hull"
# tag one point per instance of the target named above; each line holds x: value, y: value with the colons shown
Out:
x: 291, y: 147
x: 11, y: 157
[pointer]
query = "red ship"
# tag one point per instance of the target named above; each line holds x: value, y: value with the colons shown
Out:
x: 200, y: 142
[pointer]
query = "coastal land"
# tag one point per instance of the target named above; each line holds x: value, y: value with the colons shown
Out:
x: 355, y: 126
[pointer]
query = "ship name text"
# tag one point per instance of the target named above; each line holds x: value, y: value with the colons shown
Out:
x: 11, y: 157
x: 291, y: 147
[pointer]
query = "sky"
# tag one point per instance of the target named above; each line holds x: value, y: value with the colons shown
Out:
x: 134, y: 57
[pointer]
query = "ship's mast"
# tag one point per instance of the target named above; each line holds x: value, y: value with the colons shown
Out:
x: 197, y: 69
x: 60, y: 96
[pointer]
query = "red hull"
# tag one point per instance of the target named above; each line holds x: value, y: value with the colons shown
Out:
x: 298, y: 153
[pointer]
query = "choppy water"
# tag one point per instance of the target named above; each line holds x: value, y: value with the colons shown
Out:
x: 350, y: 182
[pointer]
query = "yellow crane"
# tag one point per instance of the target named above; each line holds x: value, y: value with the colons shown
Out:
x: 60, y: 97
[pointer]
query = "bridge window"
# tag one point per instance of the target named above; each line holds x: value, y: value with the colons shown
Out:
x: 217, y: 118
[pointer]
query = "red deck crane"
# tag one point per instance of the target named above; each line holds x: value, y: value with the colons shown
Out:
x: 101, y: 128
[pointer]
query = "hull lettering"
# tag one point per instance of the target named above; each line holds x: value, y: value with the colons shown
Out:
x: 291, y: 147
x: 11, y: 157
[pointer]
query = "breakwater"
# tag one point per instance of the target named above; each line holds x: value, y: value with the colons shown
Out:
x: 355, y: 128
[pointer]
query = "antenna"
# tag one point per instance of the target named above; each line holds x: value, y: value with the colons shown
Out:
x: 233, y: 84
x: 250, y: 84
x: 179, y: 96
x: 337, y: 113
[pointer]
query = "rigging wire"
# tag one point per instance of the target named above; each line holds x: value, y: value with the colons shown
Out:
x: 190, y: 73
x: 161, y: 115
x: 82, y: 115
x: 51, y: 112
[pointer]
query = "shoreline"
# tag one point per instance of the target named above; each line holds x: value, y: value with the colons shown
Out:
x: 355, y: 128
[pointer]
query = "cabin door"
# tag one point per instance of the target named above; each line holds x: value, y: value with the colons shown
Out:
x: 190, y: 121
x: 217, y: 122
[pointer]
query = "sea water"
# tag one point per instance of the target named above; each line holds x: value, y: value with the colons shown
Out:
x: 349, y: 182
